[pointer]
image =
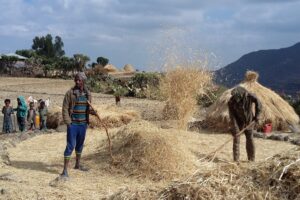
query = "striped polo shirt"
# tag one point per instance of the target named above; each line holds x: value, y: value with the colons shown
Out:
x: 79, y: 110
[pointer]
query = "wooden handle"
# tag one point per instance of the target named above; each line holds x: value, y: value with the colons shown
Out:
x: 101, y: 122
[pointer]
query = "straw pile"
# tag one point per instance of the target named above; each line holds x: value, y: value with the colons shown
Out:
x: 110, y: 68
x: 275, y: 178
x: 128, y: 68
x: 144, y: 150
x: 112, y: 116
x: 54, y: 117
x: 274, y: 108
x: 180, y: 86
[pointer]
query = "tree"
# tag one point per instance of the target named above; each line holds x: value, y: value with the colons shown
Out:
x: 102, y: 61
x: 47, y: 68
x: 44, y: 46
x: 80, y: 61
x: 58, y: 45
x: 66, y: 64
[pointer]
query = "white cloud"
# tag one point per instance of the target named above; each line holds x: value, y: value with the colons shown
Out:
x: 228, y: 28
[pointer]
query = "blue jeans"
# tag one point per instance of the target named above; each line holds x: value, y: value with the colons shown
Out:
x: 75, y: 139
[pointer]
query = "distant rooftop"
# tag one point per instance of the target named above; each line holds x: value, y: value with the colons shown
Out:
x: 16, y: 55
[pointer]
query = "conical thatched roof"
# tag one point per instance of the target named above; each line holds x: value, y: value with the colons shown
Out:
x: 128, y: 68
x: 274, y: 109
x: 110, y: 68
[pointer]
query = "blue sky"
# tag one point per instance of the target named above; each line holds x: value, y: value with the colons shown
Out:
x: 139, y: 32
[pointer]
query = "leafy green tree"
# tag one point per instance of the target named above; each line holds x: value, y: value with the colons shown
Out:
x: 58, y: 47
x: 47, y: 68
x: 102, y: 61
x: 44, y: 46
x: 80, y: 61
x: 66, y: 64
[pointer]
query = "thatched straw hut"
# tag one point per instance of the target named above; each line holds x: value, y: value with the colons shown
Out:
x: 128, y: 68
x: 274, y: 109
x: 110, y: 68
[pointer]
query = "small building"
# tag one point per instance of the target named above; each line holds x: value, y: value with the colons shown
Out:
x: 19, y: 63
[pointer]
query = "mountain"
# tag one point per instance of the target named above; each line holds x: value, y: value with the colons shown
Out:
x: 279, y: 69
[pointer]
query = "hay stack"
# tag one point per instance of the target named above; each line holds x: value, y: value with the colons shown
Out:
x: 128, y: 68
x: 112, y: 116
x: 54, y: 117
x: 110, y: 68
x: 274, y: 108
x: 144, y: 150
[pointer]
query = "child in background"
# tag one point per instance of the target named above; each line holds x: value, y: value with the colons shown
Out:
x: 21, y: 113
x: 43, y: 115
x: 7, y: 111
x: 31, y: 116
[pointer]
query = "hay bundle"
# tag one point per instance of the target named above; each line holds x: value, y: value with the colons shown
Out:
x: 54, y: 117
x: 180, y: 86
x: 112, y: 116
x: 128, y: 68
x: 110, y: 68
x: 270, y: 179
x: 144, y: 150
x: 274, y: 108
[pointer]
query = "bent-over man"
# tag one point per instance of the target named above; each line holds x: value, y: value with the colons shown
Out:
x: 241, y: 115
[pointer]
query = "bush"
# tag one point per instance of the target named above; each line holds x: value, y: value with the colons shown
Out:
x: 144, y: 85
x: 94, y: 85
x: 119, y: 90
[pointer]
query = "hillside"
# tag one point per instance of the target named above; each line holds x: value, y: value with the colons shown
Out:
x: 279, y: 69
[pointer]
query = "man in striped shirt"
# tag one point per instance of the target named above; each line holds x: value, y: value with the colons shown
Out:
x: 75, y: 113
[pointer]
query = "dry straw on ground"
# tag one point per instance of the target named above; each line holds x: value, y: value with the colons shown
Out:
x: 144, y: 150
x: 250, y: 181
x: 112, y: 116
x: 180, y: 86
x: 274, y: 109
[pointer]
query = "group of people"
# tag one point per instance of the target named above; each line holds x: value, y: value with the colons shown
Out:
x: 25, y: 117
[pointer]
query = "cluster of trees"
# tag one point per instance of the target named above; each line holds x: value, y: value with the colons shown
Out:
x: 47, y: 53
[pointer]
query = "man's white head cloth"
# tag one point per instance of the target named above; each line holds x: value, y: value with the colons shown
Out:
x: 81, y: 76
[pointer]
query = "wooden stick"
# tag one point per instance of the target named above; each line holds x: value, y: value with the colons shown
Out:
x: 108, y: 137
x: 218, y: 149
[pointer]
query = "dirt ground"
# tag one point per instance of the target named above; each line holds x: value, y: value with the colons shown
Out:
x: 37, y: 162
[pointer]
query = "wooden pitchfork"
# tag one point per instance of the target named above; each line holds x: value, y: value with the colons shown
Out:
x: 104, y: 126
x: 214, y: 153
